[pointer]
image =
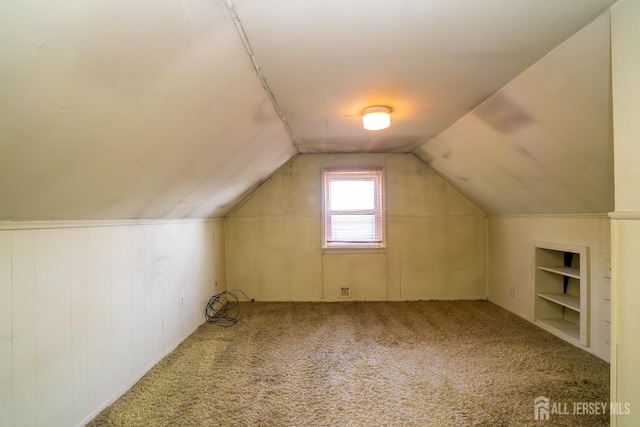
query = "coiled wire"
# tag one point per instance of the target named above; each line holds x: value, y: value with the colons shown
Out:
x: 223, y: 309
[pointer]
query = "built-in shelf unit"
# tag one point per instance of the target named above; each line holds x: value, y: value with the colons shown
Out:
x: 562, y: 290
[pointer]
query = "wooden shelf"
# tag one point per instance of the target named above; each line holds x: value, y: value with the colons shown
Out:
x: 564, y: 300
x: 563, y: 271
x: 568, y: 328
x: 561, y: 289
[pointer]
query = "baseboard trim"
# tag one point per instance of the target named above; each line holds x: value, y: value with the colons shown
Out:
x: 461, y: 298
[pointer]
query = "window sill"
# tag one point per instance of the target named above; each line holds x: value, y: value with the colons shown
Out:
x: 334, y: 250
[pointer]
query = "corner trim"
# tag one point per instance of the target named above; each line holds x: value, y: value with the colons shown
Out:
x: 629, y: 215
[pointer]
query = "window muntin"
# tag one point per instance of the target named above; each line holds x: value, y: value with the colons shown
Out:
x: 353, y: 211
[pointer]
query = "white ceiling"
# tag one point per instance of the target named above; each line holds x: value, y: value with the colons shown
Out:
x: 114, y: 109
x: 431, y: 61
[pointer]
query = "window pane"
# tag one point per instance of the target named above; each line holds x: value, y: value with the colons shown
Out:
x: 352, y: 195
x: 353, y: 208
x: 353, y: 228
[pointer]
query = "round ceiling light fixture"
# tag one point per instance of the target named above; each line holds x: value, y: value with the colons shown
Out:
x: 376, y: 118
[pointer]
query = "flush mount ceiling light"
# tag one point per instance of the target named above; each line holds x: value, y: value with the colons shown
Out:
x: 376, y: 118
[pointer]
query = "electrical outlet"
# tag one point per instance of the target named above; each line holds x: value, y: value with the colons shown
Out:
x: 181, y: 302
x: 345, y: 291
x: 511, y: 292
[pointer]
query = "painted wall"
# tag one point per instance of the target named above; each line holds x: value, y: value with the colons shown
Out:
x: 625, y: 369
x: 86, y: 310
x: 512, y: 260
x: 542, y: 144
x: 436, y: 239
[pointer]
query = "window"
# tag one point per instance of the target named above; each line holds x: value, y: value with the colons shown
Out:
x: 353, y: 208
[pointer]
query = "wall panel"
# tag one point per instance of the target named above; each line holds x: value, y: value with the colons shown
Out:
x: 194, y: 267
x: 625, y: 230
x: 173, y: 286
x: 441, y: 258
x: 365, y: 274
x: 212, y: 236
x: 24, y: 327
x: 79, y: 324
x: 99, y: 316
x: 138, y: 310
x: 436, y: 239
x: 121, y: 277
x: 6, y: 348
x: 54, y: 366
x: 157, y: 249
x: 86, y: 310
x: 148, y: 297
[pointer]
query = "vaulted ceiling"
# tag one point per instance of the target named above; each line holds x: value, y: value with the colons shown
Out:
x: 116, y: 109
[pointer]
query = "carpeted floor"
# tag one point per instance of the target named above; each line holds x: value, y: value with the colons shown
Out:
x: 426, y: 363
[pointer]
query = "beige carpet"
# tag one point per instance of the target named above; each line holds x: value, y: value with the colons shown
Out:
x: 432, y: 363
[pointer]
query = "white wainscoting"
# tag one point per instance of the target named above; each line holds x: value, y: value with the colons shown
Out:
x: 85, y: 311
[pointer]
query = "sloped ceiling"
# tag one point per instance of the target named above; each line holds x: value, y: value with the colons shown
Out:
x: 129, y: 109
x: 114, y: 109
x: 543, y: 143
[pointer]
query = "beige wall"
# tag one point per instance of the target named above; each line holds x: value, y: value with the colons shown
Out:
x: 436, y: 239
x: 86, y: 309
x: 511, y: 262
x: 625, y: 368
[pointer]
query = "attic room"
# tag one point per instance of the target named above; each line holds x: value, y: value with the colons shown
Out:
x: 155, y: 155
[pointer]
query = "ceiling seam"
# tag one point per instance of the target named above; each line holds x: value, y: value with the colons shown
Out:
x: 245, y: 41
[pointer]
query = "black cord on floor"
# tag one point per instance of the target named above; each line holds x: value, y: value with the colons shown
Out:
x: 223, y: 309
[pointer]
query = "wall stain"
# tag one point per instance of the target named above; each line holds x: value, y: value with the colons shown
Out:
x: 503, y: 115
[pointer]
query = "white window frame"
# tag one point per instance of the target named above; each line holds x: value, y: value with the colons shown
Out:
x: 374, y: 174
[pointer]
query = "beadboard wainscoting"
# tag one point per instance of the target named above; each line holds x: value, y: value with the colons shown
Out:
x: 87, y: 309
